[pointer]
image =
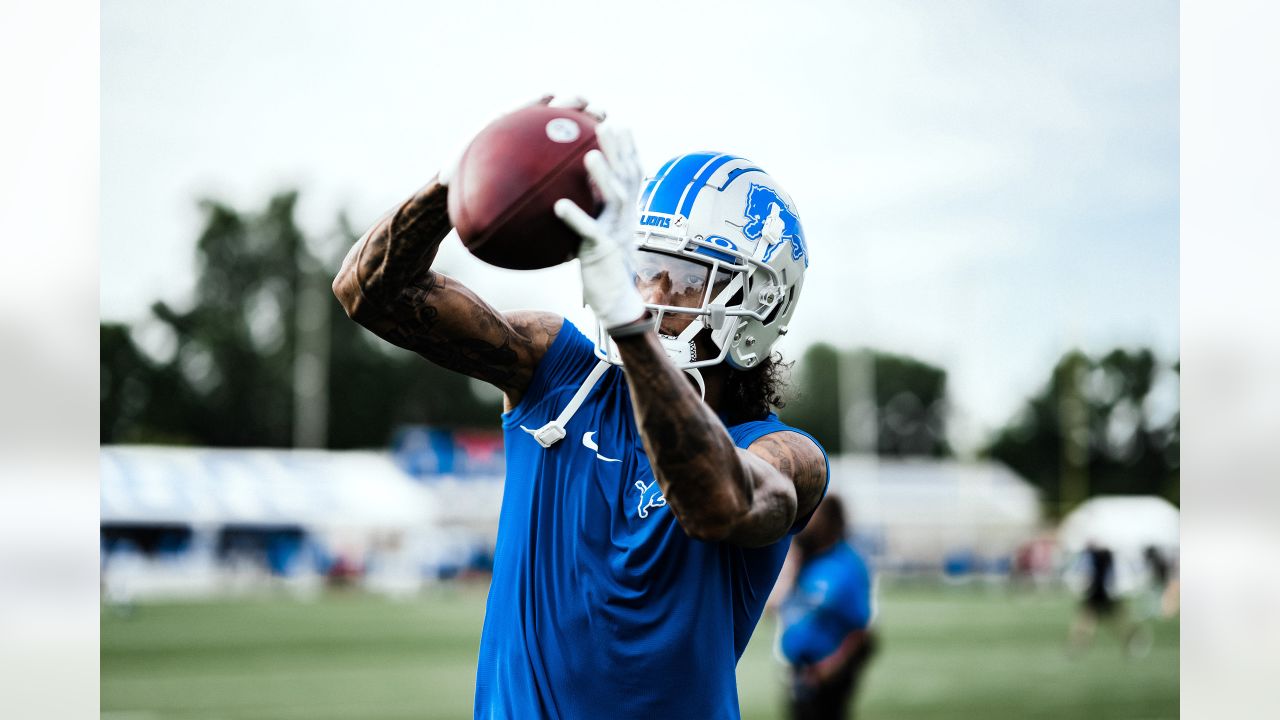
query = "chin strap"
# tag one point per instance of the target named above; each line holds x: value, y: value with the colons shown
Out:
x: 696, y: 374
x: 553, y: 432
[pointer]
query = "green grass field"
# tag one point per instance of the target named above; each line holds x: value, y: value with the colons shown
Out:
x: 954, y: 653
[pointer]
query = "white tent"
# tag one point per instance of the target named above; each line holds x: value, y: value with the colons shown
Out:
x: 1124, y: 523
x: 310, y: 488
x: 917, y: 512
x: 357, y: 504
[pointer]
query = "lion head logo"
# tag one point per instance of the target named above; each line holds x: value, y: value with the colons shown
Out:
x: 766, y: 208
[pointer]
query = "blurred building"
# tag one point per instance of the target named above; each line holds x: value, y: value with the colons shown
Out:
x: 928, y: 516
x: 199, y: 521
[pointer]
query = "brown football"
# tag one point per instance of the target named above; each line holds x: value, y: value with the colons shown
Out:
x: 509, y: 178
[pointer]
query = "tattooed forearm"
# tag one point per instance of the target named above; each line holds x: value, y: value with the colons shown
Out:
x: 749, y: 497
x: 694, y: 460
x: 449, y: 325
x: 402, y: 246
x: 387, y: 285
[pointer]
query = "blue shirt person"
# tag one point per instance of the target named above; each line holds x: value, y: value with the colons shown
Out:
x: 824, y: 618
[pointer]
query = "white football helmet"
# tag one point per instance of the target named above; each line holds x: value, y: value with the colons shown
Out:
x: 725, y: 242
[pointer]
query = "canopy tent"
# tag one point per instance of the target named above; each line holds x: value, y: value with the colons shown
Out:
x: 1124, y: 523
x: 919, y: 512
x: 310, y: 488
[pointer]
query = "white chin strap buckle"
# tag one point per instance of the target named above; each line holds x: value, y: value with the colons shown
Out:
x: 553, y: 432
x: 549, y: 434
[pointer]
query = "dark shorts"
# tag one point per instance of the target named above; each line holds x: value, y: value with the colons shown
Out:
x: 833, y: 700
x: 1101, y: 605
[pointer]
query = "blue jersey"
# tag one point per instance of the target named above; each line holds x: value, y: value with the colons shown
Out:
x: 831, y: 598
x: 601, y: 606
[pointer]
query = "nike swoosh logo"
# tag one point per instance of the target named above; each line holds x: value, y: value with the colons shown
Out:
x: 591, y: 445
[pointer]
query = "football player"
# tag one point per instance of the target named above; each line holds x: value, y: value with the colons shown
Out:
x: 651, y: 495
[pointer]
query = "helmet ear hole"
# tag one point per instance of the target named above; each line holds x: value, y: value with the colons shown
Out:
x: 773, y: 314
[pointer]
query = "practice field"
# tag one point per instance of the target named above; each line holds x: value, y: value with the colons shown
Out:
x: 955, y: 653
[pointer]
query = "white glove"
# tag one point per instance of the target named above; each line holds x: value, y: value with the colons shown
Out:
x: 608, y: 282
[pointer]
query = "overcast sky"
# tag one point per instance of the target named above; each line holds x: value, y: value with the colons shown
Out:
x: 982, y: 184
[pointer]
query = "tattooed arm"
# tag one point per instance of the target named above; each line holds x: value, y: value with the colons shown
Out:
x: 799, y: 469
x: 387, y: 285
x: 716, y: 490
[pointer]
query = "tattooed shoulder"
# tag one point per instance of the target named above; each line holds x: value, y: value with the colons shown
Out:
x: 801, y: 460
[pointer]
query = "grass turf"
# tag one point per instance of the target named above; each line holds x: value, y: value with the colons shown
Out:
x: 955, y: 653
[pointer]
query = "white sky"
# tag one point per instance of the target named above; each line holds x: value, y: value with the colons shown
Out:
x: 982, y: 184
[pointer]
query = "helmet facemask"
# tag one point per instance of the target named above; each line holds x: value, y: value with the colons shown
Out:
x: 705, y: 286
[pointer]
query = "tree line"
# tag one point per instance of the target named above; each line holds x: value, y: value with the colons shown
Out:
x: 263, y: 356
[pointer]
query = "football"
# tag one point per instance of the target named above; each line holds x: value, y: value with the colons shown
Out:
x: 508, y: 180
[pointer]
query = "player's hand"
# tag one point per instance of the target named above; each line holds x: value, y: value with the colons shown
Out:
x: 577, y: 102
x: 608, y: 283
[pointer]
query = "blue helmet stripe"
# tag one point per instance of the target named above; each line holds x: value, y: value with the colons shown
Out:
x: 671, y: 186
x: 694, y: 182
x: 724, y: 256
x: 700, y: 180
x: 653, y: 182
x: 737, y: 173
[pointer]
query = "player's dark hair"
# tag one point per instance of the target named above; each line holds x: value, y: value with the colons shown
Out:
x: 752, y: 394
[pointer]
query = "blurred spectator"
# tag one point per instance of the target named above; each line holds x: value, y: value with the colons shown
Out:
x: 1101, y: 603
x: 1163, y: 598
x: 344, y: 572
x: 824, y: 618
x: 1033, y: 563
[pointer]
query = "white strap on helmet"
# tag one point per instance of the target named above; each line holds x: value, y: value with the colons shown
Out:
x: 553, y: 432
x: 696, y: 374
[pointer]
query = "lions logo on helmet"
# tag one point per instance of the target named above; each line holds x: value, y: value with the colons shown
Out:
x: 765, y: 206
x: 728, y: 214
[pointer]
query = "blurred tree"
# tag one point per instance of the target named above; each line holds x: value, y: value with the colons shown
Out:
x: 123, y: 381
x: 1090, y: 431
x: 812, y: 398
x: 912, y: 400
x: 230, y: 378
x: 909, y: 413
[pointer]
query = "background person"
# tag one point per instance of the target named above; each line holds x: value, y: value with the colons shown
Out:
x: 1101, y: 603
x: 824, y: 618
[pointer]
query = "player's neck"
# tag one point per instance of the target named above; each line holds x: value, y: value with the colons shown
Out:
x: 713, y: 378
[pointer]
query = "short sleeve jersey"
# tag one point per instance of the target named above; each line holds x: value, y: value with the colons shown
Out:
x: 600, y: 605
